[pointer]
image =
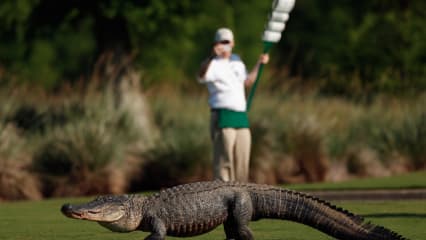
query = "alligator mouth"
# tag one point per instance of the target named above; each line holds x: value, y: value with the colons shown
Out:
x: 85, y: 215
x: 76, y: 215
x: 68, y: 211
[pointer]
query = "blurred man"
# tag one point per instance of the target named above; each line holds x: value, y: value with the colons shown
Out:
x: 226, y: 78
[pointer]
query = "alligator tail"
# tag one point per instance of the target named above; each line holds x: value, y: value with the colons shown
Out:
x: 299, y: 207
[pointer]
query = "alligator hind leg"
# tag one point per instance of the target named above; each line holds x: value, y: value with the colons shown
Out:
x: 245, y: 233
x: 236, y: 226
x: 237, y: 232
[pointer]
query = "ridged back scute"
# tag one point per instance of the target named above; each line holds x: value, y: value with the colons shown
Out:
x: 190, y: 189
x: 356, y: 218
x: 376, y: 232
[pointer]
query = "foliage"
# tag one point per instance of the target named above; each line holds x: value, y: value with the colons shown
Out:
x: 183, y: 150
x: 287, y: 129
x: 358, y: 47
x: 16, y: 181
x: 408, y: 138
x: 85, y: 146
x: 349, y: 47
x: 81, y: 153
x: 339, y: 129
x: 85, y: 143
x: 74, y: 145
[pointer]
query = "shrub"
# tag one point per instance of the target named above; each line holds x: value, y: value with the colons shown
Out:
x: 16, y: 181
x: 33, y: 119
x: 72, y: 156
x: 182, y: 152
x: 309, y: 151
x: 75, y: 143
x: 299, y: 136
x: 82, y: 156
x: 407, y: 138
x: 287, y: 128
x: 175, y: 161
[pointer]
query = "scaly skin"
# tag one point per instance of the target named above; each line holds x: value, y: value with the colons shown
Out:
x: 197, y: 208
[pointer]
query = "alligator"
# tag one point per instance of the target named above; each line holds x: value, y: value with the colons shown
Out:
x: 196, y: 208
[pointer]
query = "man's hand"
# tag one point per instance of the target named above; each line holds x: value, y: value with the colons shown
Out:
x: 251, y: 77
x: 264, y: 58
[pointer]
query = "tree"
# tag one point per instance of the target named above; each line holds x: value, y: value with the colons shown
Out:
x: 352, y: 46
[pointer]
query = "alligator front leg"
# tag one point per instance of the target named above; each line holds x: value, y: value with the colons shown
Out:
x: 158, y: 231
x: 155, y: 236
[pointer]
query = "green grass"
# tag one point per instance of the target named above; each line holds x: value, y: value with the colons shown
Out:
x: 43, y: 220
x: 405, y: 181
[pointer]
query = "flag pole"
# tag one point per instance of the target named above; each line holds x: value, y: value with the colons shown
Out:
x: 266, y: 47
x: 272, y: 34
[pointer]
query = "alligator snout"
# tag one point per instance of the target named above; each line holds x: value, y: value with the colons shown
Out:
x: 66, y: 208
x: 73, y: 211
x: 69, y: 211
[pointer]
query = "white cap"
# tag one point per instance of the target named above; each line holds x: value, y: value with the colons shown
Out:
x: 223, y: 34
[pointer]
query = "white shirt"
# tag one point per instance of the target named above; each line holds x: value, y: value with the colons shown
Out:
x: 225, y: 82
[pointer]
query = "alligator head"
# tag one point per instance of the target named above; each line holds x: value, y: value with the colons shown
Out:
x: 116, y: 213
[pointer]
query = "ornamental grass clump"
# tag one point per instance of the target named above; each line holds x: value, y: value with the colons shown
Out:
x: 182, y: 152
x: 81, y: 157
x: 16, y: 180
x: 408, y: 139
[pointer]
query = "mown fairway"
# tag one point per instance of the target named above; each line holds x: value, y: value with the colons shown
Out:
x: 43, y: 220
x: 406, y: 181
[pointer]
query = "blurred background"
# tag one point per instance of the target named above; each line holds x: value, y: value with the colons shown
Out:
x: 100, y: 96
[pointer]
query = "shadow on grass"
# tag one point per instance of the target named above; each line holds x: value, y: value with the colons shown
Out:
x: 394, y: 215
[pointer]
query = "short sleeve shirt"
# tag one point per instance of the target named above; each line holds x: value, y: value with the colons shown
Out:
x: 225, y: 82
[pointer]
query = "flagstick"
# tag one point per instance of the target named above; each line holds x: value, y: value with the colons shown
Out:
x: 272, y: 34
x: 266, y: 47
